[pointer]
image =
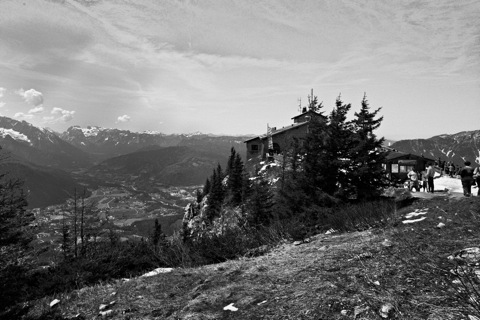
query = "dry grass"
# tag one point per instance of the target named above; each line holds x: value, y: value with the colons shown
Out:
x: 338, y: 276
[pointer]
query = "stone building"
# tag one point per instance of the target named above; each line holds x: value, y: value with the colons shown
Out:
x: 281, y: 138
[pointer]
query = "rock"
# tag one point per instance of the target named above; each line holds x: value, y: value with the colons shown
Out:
x: 106, y: 314
x: 230, y: 307
x: 102, y: 307
x: 386, y: 311
x: 414, y: 220
x: 344, y: 312
x: 331, y: 231
x: 467, y: 255
x: 359, y: 310
x: 297, y: 243
x: 54, y: 303
x: 156, y: 271
x: 440, y: 225
x: 387, y: 243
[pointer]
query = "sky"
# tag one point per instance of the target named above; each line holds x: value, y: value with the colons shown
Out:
x: 232, y: 67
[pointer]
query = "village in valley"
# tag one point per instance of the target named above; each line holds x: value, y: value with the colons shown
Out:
x: 128, y: 213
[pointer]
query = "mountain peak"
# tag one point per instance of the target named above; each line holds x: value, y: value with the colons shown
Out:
x: 15, y: 135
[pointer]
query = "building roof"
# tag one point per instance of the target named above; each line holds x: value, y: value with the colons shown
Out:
x: 304, y: 113
x: 277, y: 131
x: 398, y: 154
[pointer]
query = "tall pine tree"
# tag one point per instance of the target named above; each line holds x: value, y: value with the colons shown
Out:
x: 216, y: 195
x: 367, y: 173
x: 236, y: 180
x: 337, y: 148
x: 316, y: 176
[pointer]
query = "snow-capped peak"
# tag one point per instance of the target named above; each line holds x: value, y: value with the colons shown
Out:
x: 151, y: 132
x: 196, y: 133
x: 90, y: 131
x: 14, y: 134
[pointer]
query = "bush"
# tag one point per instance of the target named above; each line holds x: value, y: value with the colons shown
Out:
x: 361, y: 216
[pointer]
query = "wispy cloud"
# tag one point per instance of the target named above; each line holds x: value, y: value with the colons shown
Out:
x: 36, y: 110
x: 23, y: 116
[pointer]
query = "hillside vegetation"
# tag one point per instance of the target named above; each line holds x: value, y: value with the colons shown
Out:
x: 402, y: 269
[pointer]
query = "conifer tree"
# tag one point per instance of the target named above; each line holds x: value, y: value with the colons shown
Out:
x: 315, y: 160
x: 206, y: 187
x: 216, y: 194
x: 231, y: 161
x: 337, y: 149
x: 367, y: 158
x: 157, y: 237
x: 15, y: 237
x: 235, y: 180
x: 291, y: 198
x: 260, y: 204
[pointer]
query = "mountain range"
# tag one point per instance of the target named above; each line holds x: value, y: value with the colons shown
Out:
x: 103, y: 143
x: 455, y: 148
x: 51, y: 162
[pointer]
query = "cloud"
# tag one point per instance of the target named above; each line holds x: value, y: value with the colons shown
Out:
x: 32, y: 96
x: 36, y: 110
x: 2, y: 92
x: 123, y: 118
x: 21, y: 115
x: 64, y: 115
x: 2, y: 104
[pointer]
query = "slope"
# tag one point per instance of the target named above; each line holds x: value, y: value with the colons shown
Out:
x: 44, y: 186
x: 400, y: 272
x: 40, y: 146
x: 176, y: 166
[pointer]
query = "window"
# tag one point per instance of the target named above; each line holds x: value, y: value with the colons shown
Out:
x: 404, y: 168
x: 254, y: 147
x: 394, y: 168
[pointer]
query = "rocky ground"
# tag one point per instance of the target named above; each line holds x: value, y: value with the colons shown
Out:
x: 421, y: 267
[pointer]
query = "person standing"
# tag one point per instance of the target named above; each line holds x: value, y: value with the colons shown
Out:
x: 430, y: 176
x: 466, y: 174
x: 476, y: 176
x: 424, y: 185
x: 413, y: 176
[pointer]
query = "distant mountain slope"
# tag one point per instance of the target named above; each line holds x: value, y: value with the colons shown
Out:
x: 44, y: 186
x: 40, y: 146
x: 107, y: 143
x: 448, y: 147
x: 177, y: 166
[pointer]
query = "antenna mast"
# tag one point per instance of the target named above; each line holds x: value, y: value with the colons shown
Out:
x: 299, y: 105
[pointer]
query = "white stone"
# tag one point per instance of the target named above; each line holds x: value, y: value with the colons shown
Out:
x: 386, y: 310
x: 107, y: 313
x: 230, y: 307
x: 156, y: 271
x: 413, y: 221
x: 54, y: 303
